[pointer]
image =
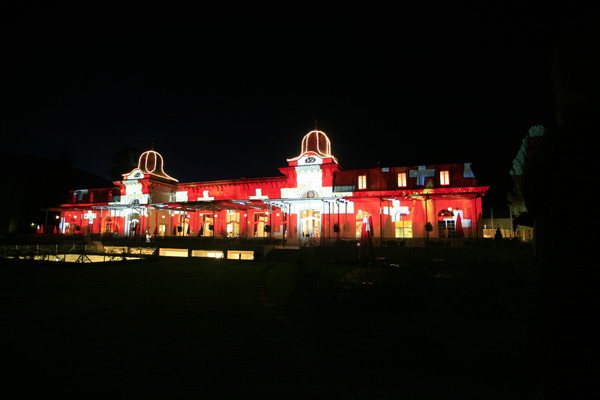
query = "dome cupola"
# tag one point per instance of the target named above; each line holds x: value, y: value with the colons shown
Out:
x: 315, y: 143
x: 150, y: 163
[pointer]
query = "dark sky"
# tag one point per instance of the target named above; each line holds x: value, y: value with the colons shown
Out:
x: 224, y: 92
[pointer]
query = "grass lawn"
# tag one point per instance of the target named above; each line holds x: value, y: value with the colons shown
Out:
x: 183, y: 328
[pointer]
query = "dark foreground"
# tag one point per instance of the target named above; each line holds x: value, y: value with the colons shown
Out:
x: 178, y: 329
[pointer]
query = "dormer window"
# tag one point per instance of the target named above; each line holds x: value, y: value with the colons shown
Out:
x: 402, y: 179
x: 444, y: 177
x: 362, y: 182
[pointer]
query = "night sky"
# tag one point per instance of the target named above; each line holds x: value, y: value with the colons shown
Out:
x: 225, y: 92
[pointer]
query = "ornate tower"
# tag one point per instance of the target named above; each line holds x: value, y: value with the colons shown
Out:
x: 315, y: 149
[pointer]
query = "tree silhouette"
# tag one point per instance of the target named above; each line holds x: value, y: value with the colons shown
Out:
x: 565, y: 164
x: 122, y: 161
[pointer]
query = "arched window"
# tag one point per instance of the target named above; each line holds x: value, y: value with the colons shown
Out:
x: 446, y: 213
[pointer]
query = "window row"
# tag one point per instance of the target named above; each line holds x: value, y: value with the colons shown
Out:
x: 444, y: 177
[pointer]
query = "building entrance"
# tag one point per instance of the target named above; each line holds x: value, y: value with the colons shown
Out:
x: 310, y: 227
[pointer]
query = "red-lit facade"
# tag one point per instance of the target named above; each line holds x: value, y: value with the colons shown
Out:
x: 313, y: 201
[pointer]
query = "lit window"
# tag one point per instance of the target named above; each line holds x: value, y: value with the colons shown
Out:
x: 208, y: 253
x: 444, y: 177
x: 240, y: 254
x: 362, y: 182
x: 233, y: 223
x: 170, y: 252
x: 403, y: 229
x: 402, y: 179
x: 447, y: 228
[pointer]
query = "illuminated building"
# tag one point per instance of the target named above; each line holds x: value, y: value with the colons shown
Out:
x: 313, y: 201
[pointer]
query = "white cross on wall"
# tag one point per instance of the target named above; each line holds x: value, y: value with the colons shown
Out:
x: 421, y: 173
x: 259, y: 195
x: 205, y: 196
